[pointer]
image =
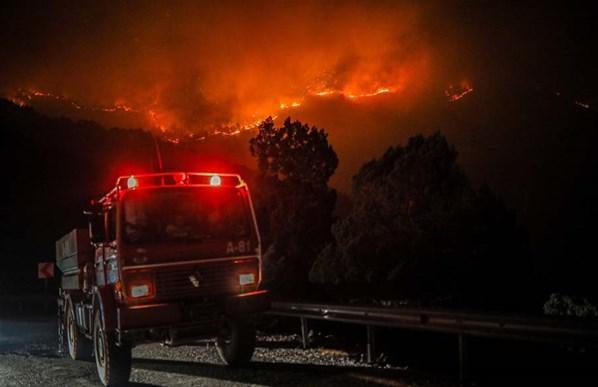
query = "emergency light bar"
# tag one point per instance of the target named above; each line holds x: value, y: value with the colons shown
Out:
x: 179, y: 178
x: 169, y: 179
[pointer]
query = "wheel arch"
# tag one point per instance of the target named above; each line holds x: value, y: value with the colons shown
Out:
x: 103, y: 299
x: 69, y: 300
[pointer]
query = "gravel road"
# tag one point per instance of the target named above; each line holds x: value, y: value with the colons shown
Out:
x: 28, y: 358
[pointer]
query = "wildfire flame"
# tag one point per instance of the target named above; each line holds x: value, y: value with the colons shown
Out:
x: 456, y: 92
x: 158, y: 120
x: 23, y: 97
x: 339, y: 93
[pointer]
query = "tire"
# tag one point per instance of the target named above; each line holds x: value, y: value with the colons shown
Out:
x: 61, y: 323
x: 78, y: 346
x: 236, y: 343
x: 112, y: 362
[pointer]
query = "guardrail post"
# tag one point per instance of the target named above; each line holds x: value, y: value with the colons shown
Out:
x: 371, y: 343
x: 462, y: 359
x: 304, y: 332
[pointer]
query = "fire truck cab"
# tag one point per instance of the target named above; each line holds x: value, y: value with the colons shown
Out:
x: 168, y: 257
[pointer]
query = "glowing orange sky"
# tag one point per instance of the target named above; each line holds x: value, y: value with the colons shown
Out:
x: 190, y: 67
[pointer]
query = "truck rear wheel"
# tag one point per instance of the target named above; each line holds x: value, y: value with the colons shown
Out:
x: 79, y: 346
x: 112, y: 362
x: 61, y: 323
x: 236, y: 342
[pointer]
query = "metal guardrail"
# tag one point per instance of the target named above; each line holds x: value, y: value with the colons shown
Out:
x: 582, y: 333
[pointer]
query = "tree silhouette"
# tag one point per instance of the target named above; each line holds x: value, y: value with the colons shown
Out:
x: 294, y: 202
x: 418, y: 228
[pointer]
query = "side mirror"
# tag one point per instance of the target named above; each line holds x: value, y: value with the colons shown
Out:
x: 97, y: 231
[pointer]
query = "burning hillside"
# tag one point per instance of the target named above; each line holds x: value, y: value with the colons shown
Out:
x: 156, y: 118
x: 219, y: 68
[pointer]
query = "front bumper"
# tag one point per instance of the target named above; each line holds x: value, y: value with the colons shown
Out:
x: 156, y: 322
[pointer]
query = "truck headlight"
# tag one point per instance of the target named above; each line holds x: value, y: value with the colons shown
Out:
x: 140, y: 285
x: 140, y: 290
x: 246, y: 279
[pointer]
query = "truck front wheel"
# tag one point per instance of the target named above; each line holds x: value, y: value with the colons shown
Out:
x: 112, y: 362
x: 236, y: 342
x: 79, y: 346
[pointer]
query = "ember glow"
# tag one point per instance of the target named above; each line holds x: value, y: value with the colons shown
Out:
x: 456, y: 92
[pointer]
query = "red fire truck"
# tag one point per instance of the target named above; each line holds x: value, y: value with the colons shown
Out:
x: 167, y: 257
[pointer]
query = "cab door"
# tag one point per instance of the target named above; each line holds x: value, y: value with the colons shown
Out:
x: 111, y: 247
x: 97, y: 232
x: 99, y: 264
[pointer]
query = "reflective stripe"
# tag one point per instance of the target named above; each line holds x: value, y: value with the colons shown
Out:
x: 169, y: 264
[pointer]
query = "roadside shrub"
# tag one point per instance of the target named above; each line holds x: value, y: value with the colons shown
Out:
x: 563, y: 305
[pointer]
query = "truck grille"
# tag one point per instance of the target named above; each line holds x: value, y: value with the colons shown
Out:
x: 209, y: 279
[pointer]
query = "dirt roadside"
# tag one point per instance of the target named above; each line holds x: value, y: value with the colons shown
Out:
x: 28, y: 358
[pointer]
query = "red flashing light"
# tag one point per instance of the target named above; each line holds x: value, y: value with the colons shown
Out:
x: 132, y: 182
x: 180, y: 178
x: 215, y: 180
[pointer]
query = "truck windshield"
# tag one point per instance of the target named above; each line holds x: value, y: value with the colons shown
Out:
x: 187, y: 214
